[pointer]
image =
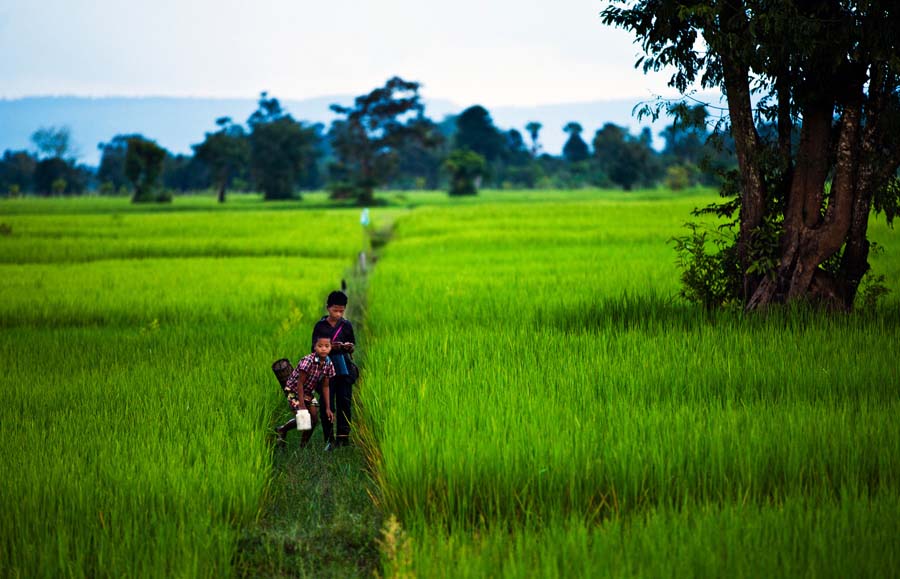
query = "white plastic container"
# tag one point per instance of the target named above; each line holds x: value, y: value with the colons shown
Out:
x: 304, y: 420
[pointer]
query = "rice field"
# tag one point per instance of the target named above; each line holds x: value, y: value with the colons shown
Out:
x: 136, y: 391
x: 539, y: 402
x: 535, y: 400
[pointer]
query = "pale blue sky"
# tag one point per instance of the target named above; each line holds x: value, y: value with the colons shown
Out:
x: 494, y: 52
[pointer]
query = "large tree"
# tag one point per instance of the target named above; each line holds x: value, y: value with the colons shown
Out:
x: 17, y: 172
x: 534, y: 130
x: 475, y: 131
x: 112, y: 160
x: 625, y: 159
x: 419, y: 161
x: 53, y: 142
x: 575, y: 149
x: 368, y: 139
x: 280, y: 149
x: 143, y: 166
x: 225, y: 153
x: 465, y: 168
x: 831, y: 67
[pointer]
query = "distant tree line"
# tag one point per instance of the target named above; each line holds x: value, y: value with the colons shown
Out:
x: 383, y: 140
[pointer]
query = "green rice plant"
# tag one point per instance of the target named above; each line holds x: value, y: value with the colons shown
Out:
x: 63, y: 239
x: 852, y: 537
x: 136, y: 398
x: 530, y: 363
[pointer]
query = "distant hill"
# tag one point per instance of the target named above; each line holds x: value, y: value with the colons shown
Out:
x: 176, y: 123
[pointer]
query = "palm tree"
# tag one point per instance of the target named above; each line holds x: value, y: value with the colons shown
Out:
x: 533, y: 129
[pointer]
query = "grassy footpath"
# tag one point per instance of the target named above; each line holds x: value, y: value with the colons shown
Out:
x: 319, y: 517
x: 137, y: 398
x: 318, y: 520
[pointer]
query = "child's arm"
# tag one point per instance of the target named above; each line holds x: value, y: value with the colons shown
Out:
x: 349, y: 337
x: 294, y: 390
x: 326, y: 395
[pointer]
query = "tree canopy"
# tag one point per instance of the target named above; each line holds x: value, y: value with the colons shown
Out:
x: 830, y: 68
x: 534, y: 132
x: 368, y: 139
x: 627, y: 160
x: 143, y: 167
x: 475, y: 131
x: 575, y: 149
x: 53, y: 142
x: 226, y: 153
x: 281, y: 149
x: 465, y: 168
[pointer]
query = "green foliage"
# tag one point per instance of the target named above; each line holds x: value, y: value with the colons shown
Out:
x: 107, y: 189
x: 534, y: 130
x: 708, y: 256
x: 815, y: 70
x: 143, y: 167
x: 373, y: 132
x: 112, y: 159
x: 418, y: 161
x: 707, y: 278
x: 137, y: 389
x: 873, y: 287
x: 226, y: 153
x: 281, y: 149
x: 627, y: 160
x: 464, y: 167
x: 59, y: 186
x: 614, y: 430
x: 678, y: 177
x: 872, y: 290
x: 50, y: 171
x: 575, y: 149
x: 887, y: 200
x: 185, y: 173
x: 475, y: 131
x: 53, y: 142
x: 17, y: 169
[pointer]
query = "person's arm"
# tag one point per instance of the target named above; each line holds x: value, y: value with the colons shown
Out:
x: 295, y: 395
x: 326, y: 394
x: 349, y: 342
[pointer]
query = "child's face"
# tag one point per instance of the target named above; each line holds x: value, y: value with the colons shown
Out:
x: 336, y: 312
x: 323, y: 347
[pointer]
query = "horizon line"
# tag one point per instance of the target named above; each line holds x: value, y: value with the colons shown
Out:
x: 4, y: 98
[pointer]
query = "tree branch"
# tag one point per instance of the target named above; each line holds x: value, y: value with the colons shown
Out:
x: 736, y: 72
x: 808, y: 181
x: 837, y: 216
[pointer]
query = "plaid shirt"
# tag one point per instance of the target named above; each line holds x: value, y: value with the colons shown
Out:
x: 315, y: 370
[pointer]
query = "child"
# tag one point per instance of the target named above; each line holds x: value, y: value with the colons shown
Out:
x: 313, y: 372
x: 343, y: 343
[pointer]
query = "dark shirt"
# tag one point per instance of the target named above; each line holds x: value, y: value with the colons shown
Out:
x: 323, y: 328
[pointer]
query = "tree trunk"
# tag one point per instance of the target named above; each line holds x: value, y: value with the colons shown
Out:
x: 809, y: 237
x: 221, y: 194
x: 736, y: 73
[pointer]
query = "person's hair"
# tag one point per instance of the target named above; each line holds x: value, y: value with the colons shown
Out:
x: 321, y: 336
x: 337, y: 298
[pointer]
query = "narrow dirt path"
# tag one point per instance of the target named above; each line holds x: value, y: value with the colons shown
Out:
x: 319, y: 519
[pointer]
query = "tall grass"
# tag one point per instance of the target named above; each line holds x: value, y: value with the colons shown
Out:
x: 136, y: 395
x: 531, y: 367
x: 122, y: 235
